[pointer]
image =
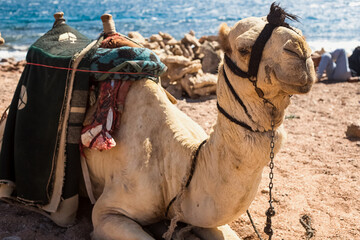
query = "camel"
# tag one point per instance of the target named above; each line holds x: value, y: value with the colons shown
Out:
x: 165, y: 166
x: 135, y: 182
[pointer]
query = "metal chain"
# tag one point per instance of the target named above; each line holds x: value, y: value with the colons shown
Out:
x: 306, y: 222
x: 271, y: 212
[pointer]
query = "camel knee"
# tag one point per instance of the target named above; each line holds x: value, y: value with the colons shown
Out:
x: 65, y: 215
x: 110, y: 225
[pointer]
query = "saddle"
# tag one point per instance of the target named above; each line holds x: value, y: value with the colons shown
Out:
x: 67, y: 76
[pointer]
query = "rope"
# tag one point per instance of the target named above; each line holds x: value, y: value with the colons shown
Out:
x: 234, y: 120
x: 4, y: 115
x: 180, y: 195
x: 83, y: 70
x: 253, y: 225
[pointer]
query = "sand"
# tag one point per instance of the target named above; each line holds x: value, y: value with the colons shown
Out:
x: 316, y: 173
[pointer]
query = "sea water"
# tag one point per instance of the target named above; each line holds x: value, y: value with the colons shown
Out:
x: 328, y: 24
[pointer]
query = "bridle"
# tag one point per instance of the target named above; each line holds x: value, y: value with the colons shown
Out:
x: 275, y: 18
x: 251, y: 74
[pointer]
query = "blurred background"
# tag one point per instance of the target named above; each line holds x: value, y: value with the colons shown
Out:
x: 328, y: 24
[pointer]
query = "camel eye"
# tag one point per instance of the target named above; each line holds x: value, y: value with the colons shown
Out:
x: 291, y: 52
x: 244, y: 51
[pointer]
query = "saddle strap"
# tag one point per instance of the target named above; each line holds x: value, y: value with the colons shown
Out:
x: 86, y: 175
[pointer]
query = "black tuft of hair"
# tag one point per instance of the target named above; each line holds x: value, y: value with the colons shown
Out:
x: 278, y: 15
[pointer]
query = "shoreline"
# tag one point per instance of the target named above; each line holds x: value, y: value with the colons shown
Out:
x: 18, y: 52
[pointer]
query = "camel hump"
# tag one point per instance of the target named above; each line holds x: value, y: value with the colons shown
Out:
x: 108, y: 23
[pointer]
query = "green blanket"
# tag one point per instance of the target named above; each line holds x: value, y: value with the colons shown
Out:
x: 40, y: 151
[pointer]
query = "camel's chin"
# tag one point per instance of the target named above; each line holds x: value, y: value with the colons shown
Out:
x: 296, y: 89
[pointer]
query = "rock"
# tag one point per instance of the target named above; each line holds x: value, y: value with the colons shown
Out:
x: 179, y: 66
x: 161, y: 53
x: 188, y: 86
x: 211, y: 58
x: 178, y: 72
x: 152, y: 45
x: 204, y: 91
x: 156, y: 38
x: 165, y: 36
x: 190, y: 40
x: 211, y: 38
x: 181, y: 60
x: 8, y: 60
x: 137, y: 37
x: 176, y: 50
x: 186, y: 52
x: 353, y: 131
x: 171, y: 42
x: 162, y: 44
x: 21, y: 63
x: 199, y: 84
x: 175, y: 90
x: 205, y: 80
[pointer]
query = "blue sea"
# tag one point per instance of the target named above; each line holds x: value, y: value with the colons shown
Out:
x: 328, y: 24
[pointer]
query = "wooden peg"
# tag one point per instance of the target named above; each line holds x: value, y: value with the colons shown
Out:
x: 58, y: 16
x: 108, y: 24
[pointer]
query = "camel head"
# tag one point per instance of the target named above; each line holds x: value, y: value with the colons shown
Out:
x: 284, y: 65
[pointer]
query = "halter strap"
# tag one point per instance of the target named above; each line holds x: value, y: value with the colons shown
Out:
x: 236, y: 96
x: 234, y: 68
x: 258, y: 48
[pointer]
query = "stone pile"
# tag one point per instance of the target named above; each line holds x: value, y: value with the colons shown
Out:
x: 192, y: 63
x: 11, y: 65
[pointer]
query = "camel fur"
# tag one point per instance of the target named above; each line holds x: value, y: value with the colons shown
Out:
x: 135, y: 181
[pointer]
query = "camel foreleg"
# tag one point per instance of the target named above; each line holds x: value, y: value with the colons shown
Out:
x: 110, y: 225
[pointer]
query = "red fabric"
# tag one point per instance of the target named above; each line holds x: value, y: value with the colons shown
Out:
x: 110, y: 107
x: 115, y: 40
x: 111, y: 100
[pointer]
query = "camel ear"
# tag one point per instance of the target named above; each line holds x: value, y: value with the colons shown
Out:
x: 224, y: 38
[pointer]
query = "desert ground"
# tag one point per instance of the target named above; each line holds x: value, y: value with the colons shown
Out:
x: 317, y: 172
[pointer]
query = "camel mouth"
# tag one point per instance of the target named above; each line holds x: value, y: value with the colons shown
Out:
x: 303, y: 85
x: 296, y: 88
